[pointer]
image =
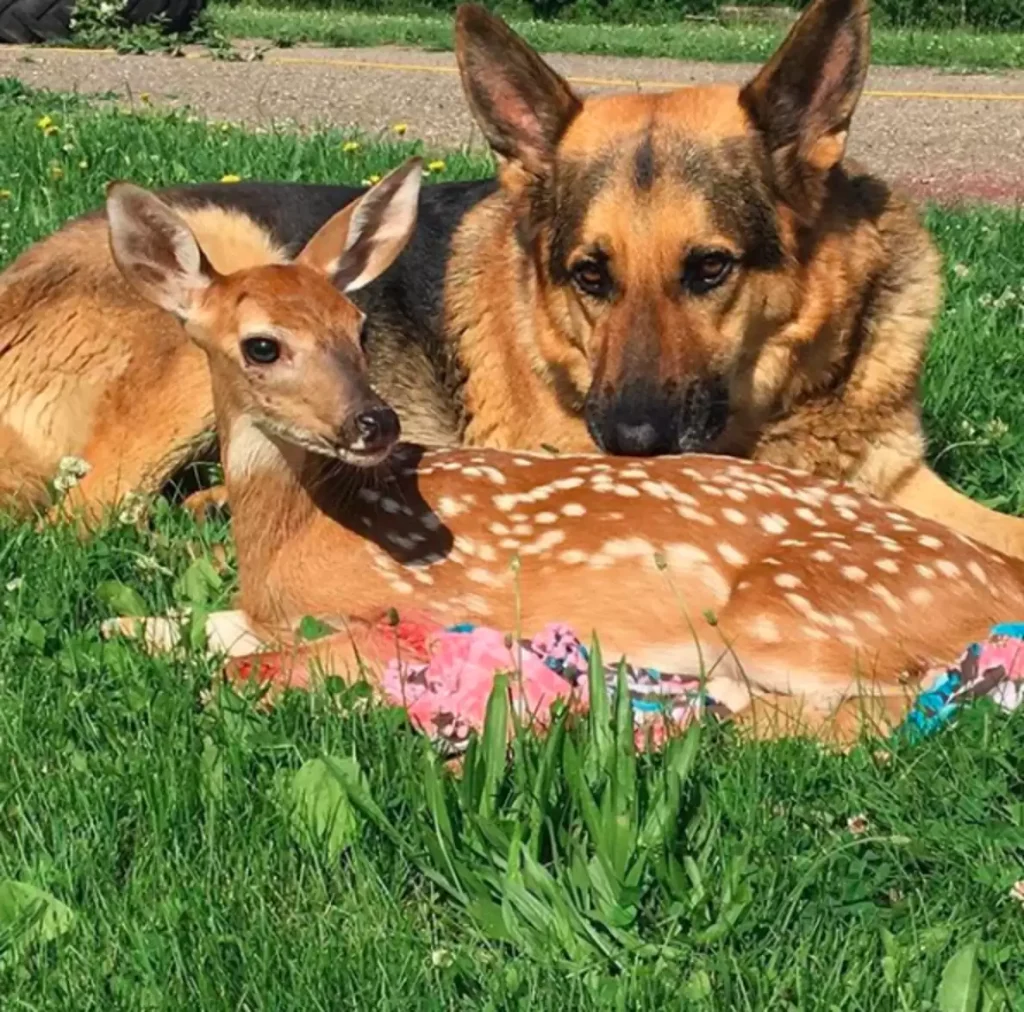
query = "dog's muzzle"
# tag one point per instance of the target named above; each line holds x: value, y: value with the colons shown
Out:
x: 642, y: 421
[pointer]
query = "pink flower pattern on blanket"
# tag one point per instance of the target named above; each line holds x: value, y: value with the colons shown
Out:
x: 445, y: 688
x: 447, y: 696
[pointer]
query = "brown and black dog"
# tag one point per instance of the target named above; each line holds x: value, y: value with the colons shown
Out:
x: 696, y: 270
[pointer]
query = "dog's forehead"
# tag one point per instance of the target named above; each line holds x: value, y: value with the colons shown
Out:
x: 675, y: 169
x: 707, y: 114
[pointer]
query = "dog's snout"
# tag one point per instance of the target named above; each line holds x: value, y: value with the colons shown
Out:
x: 635, y: 440
x: 376, y: 429
x: 640, y: 420
x: 631, y: 423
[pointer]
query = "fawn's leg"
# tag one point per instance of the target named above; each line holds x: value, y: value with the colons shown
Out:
x: 206, y: 501
x: 771, y: 716
x: 352, y: 655
x: 784, y: 681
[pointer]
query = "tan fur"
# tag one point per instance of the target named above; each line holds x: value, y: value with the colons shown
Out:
x: 89, y: 370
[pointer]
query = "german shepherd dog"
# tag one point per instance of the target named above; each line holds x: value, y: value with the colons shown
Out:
x: 699, y: 270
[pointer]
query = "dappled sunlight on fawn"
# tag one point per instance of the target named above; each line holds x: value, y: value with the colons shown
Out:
x: 800, y: 599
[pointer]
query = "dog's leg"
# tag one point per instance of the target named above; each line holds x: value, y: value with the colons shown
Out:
x: 23, y: 475
x: 135, y: 440
x: 926, y: 494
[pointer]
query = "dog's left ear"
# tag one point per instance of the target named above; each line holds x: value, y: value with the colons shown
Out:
x: 521, y: 104
x: 802, y: 100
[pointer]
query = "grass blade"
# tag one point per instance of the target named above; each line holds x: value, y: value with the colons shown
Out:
x: 599, y: 718
x: 960, y: 988
x: 494, y: 746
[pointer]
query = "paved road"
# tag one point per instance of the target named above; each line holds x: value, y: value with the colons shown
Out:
x: 944, y: 135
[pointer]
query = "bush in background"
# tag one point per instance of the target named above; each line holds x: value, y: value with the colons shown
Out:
x: 998, y: 15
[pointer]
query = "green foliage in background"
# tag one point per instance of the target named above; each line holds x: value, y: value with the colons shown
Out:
x: 991, y: 15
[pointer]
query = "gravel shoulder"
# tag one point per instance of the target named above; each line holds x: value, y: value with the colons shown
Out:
x: 945, y: 136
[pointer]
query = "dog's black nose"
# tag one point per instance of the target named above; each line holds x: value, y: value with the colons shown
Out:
x: 635, y: 440
x: 377, y: 429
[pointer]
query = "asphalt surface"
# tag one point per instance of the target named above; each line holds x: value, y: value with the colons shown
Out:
x: 946, y: 136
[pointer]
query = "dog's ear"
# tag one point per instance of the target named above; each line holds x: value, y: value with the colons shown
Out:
x: 802, y: 100
x: 521, y: 104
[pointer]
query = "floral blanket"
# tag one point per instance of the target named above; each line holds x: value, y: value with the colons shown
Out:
x: 444, y: 676
x: 446, y: 694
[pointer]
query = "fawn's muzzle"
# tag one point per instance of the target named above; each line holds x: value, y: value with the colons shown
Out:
x: 370, y: 432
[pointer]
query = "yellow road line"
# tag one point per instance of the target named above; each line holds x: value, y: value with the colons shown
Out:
x: 601, y: 82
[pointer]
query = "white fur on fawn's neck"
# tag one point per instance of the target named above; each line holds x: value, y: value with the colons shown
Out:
x: 250, y: 452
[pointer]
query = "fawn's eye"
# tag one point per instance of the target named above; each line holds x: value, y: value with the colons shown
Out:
x: 592, y: 277
x: 707, y: 269
x: 261, y: 350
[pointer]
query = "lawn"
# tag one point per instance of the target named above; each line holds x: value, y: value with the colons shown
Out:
x: 205, y: 856
x: 952, y: 50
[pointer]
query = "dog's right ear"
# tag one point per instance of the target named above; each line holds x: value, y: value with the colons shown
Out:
x: 155, y: 250
x: 521, y: 104
x: 802, y: 100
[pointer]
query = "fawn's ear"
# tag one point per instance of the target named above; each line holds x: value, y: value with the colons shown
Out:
x: 155, y: 250
x: 802, y: 100
x: 520, y: 103
x: 364, y: 238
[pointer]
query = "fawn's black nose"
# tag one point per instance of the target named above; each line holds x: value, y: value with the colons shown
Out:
x: 376, y: 429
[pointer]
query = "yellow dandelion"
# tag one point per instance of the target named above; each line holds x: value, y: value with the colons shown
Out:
x: 374, y: 179
x: 230, y: 178
x: 225, y: 127
x: 56, y: 172
x: 436, y: 166
x: 5, y: 195
x: 44, y: 122
x: 350, y: 146
x: 400, y: 128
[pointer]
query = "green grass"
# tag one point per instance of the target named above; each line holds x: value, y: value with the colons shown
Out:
x: 168, y: 830
x: 686, y: 40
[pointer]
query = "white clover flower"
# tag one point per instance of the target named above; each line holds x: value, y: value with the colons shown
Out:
x: 858, y: 824
x: 134, y: 507
x: 70, y: 471
x: 147, y: 564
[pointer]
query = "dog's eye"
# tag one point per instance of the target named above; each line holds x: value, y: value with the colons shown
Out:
x: 261, y: 350
x: 707, y: 269
x: 592, y: 277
